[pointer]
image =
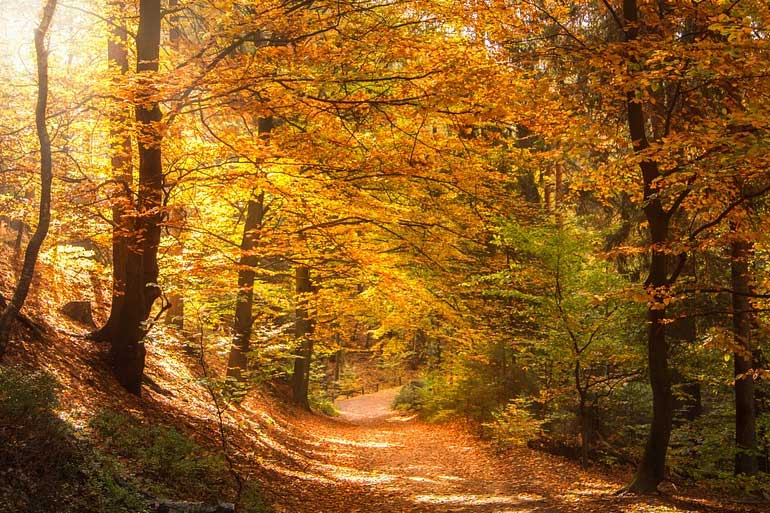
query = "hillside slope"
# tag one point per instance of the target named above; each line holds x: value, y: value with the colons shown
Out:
x: 371, y: 459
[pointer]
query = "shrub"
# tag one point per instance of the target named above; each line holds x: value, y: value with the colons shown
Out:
x: 513, y: 425
x: 25, y: 394
x: 411, y: 397
x: 323, y: 405
x: 45, y: 466
x: 704, y: 450
x: 107, y: 491
x: 169, y: 462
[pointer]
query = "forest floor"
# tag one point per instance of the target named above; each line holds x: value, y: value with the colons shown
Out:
x: 382, y: 461
x: 370, y: 459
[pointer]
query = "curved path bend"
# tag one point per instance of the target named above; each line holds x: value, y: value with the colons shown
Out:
x: 376, y: 460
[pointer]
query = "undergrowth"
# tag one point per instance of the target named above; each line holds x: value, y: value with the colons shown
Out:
x: 411, y: 397
x: 324, y: 405
x: 167, y: 463
x: 118, y: 465
x: 46, y: 466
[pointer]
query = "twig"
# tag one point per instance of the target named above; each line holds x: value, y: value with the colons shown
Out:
x: 224, y: 442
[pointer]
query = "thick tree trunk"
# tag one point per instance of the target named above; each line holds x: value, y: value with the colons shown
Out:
x: 175, y: 32
x: 237, y: 361
x: 651, y: 470
x: 12, y: 309
x: 745, y: 414
x: 141, y: 290
x: 303, y: 328
x: 122, y: 174
x: 148, y: 117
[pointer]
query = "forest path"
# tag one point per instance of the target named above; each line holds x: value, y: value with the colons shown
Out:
x: 374, y: 459
x: 370, y: 408
x: 431, y: 467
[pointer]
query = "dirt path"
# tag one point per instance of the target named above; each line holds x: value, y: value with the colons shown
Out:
x: 376, y: 460
x: 437, y: 468
x: 370, y: 408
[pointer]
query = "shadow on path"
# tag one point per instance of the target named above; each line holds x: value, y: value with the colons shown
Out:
x: 374, y: 459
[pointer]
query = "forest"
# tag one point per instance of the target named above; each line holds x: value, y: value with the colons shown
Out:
x: 344, y: 256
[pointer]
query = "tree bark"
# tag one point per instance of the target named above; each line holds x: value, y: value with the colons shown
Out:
x: 122, y: 173
x: 174, y: 32
x: 583, y: 420
x: 238, y: 361
x: 12, y: 309
x: 242, y: 324
x: 651, y: 470
x: 177, y: 214
x: 174, y: 229
x: 127, y: 349
x: 303, y: 329
x: 745, y: 414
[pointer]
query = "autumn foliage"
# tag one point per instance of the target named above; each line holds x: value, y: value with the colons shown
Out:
x: 548, y: 216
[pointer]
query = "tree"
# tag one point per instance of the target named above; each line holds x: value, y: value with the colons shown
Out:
x: 741, y: 252
x: 121, y: 162
x: 237, y: 362
x: 651, y: 470
x: 303, y: 332
x: 127, y: 350
x: 11, y: 310
x: 660, y: 72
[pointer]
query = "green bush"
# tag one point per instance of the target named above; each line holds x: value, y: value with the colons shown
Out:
x: 107, y: 491
x: 704, y: 450
x: 26, y: 394
x: 46, y: 467
x: 411, y: 397
x: 169, y: 462
x: 513, y: 425
x: 323, y: 405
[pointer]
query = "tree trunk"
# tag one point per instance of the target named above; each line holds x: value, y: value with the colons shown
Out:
x: 745, y: 414
x: 141, y: 290
x: 122, y: 173
x: 174, y: 229
x: 242, y: 324
x: 583, y: 419
x: 651, y: 470
x: 303, y: 328
x: 12, y: 309
x: 175, y: 32
x: 237, y: 361
x: 177, y: 215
